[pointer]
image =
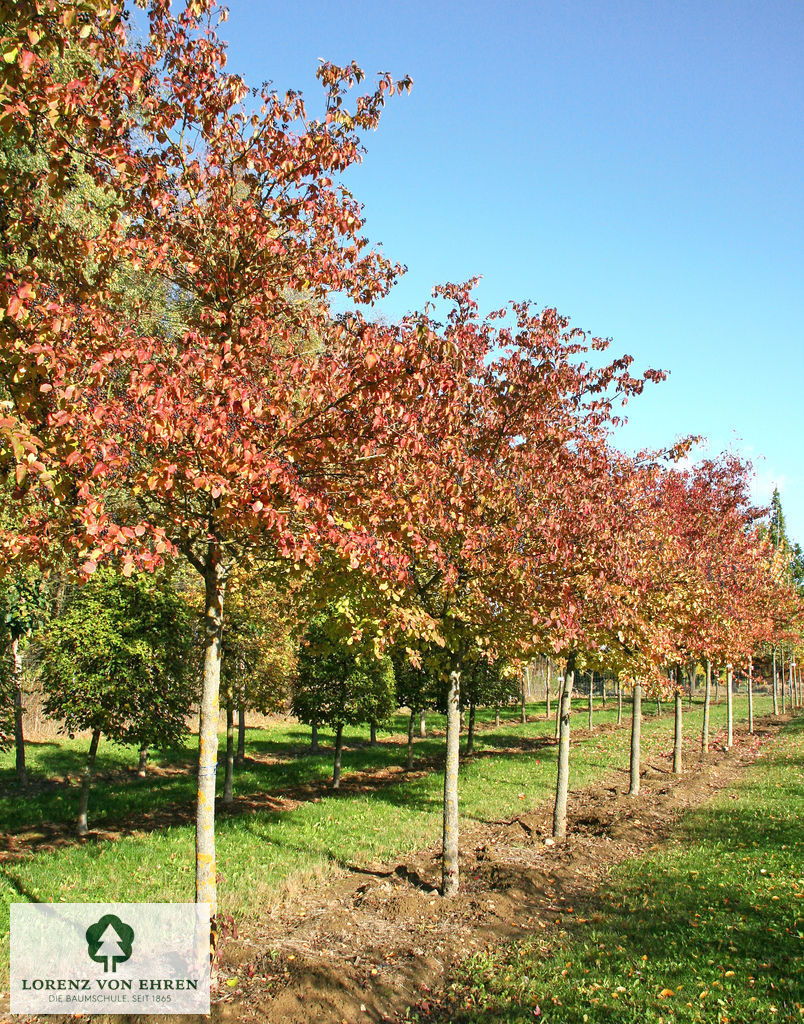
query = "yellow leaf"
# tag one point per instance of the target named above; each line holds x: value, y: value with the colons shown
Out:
x: 666, y: 993
x: 231, y: 982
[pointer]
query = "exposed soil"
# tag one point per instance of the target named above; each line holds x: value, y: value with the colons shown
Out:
x: 375, y: 941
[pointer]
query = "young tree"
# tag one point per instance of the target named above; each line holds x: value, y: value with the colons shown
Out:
x: 118, y: 660
x: 340, y: 683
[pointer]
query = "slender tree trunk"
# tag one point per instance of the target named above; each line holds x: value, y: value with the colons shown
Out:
x: 19, y: 736
x: 603, y: 690
x: 314, y: 747
x: 547, y: 688
x: 142, y: 768
x: 691, y: 676
x: 524, y: 716
x: 336, y: 768
x: 228, y: 778
x: 558, y: 706
x: 450, y: 875
x: 423, y: 724
x: 729, y: 708
x: 562, y: 776
x: 591, y: 701
x: 717, y: 686
x: 658, y: 705
x: 677, y: 731
x: 373, y: 728
x: 707, y: 702
x: 790, y: 676
x: 240, y: 756
x: 784, y: 697
x: 206, y: 886
x: 86, y: 782
x: 470, y: 736
x: 497, y: 715
x: 775, y: 686
x: 619, y: 703
x: 636, y: 738
x: 751, y: 696
x: 409, y: 758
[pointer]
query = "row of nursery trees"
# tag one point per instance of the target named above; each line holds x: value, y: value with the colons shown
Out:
x: 176, y: 389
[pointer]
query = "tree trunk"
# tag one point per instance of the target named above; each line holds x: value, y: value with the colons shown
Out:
x: 558, y: 706
x: 751, y: 697
x: 336, y: 768
x: 784, y: 697
x: 619, y: 703
x: 636, y: 737
x: 729, y: 708
x: 19, y: 736
x: 240, y: 756
x: 228, y: 778
x: 677, y: 731
x: 603, y: 690
x: 470, y: 736
x: 314, y: 748
x: 562, y: 776
x: 591, y: 700
x: 423, y: 724
x: 658, y: 705
x: 717, y: 686
x: 450, y: 876
x: 524, y: 716
x: 143, y: 765
x: 547, y: 689
x: 86, y: 782
x: 373, y: 733
x: 790, y: 676
x: 409, y: 757
x: 707, y: 702
x: 497, y: 716
x: 206, y: 885
x: 775, y: 686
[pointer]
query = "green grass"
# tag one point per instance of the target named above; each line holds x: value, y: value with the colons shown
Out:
x: 708, y: 928
x: 260, y: 852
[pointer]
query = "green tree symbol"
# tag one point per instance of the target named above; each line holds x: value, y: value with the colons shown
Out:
x: 109, y: 942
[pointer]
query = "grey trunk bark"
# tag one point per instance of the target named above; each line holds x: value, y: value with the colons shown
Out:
x: 314, y: 748
x: 524, y: 717
x: 562, y: 775
x: 142, y: 768
x: 228, y: 778
x: 751, y: 697
x: 336, y: 768
x: 677, y: 732
x: 373, y: 733
x: 409, y: 757
x: 497, y: 715
x: 240, y: 757
x: 591, y: 701
x: 619, y: 703
x: 784, y: 698
x: 729, y: 708
x: 775, y: 686
x: 423, y: 724
x: 547, y: 689
x: 558, y: 706
x: 206, y: 885
x: 470, y: 736
x: 707, y: 702
x: 19, y: 736
x: 86, y: 782
x: 790, y: 675
x: 636, y: 738
x: 658, y: 705
x: 450, y: 876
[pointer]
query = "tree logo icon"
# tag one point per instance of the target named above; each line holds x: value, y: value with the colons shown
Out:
x: 109, y: 942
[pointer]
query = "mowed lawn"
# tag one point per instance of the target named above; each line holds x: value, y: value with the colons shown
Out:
x: 260, y: 850
x: 708, y: 928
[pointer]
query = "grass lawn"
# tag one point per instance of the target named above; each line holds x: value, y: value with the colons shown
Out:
x: 262, y: 851
x: 709, y: 928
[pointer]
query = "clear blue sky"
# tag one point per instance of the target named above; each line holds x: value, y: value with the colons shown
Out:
x: 636, y: 164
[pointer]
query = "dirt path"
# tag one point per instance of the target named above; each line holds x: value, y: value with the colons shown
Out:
x: 376, y: 941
